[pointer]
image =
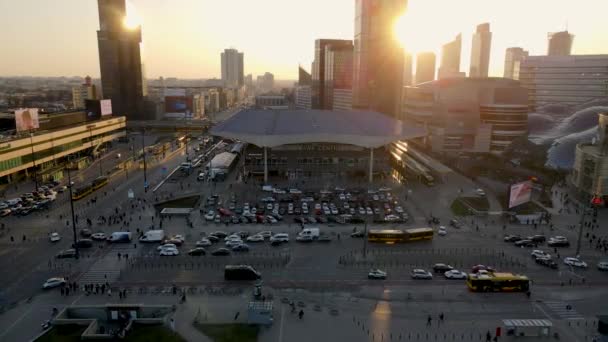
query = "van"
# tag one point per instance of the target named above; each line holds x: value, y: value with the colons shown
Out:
x: 153, y: 236
x: 120, y: 237
x: 241, y: 272
x: 312, y: 232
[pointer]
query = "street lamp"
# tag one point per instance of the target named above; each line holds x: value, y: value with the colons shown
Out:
x: 72, y: 209
x: 34, y: 160
x: 143, y: 149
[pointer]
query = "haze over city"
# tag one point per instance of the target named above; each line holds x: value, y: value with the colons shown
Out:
x: 183, y: 38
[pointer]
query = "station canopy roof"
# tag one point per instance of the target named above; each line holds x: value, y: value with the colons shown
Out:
x: 271, y: 128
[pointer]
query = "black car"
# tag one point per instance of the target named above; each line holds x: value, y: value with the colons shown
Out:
x: 442, y: 268
x: 243, y: 234
x: 558, y: 243
x: 276, y: 243
x: 547, y: 262
x: 526, y: 243
x: 213, y: 238
x: 197, y: 251
x: 299, y: 219
x: 83, y: 243
x: 322, y: 219
x: 221, y: 251
x: 537, y: 238
x: 357, y: 234
x: 220, y: 234
x: 512, y: 238
x: 68, y: 253
x: 85, y: 232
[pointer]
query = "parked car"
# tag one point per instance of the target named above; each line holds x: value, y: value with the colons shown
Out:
x: 442, y: 268
x: 575, y: 262
x: 68, y: 253
x: 197, y: 251
x: 376, y: 274
x: 512, y: 238
x: 99, y: 236
x: 537, y: 238
x: 169, y: 252
x: 420, y: 274
x: 526, y: 243
x: 546, y: 262
x: 241, y: 248
x: 54, y: 237
x: 442, y: 231
x: 85, y: 232
x: 204, y: 242
x: 558, y: 242
x: 221, y: 252
x: 282, y: 237
x: 255, y: 238
x: 602, y: 265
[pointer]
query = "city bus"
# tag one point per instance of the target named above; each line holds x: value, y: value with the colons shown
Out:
x: 392, y: 236
x: 82, y: 192
x: 498, y: 282
x: 99, y: 182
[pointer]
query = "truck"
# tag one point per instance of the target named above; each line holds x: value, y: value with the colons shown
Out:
x: 156, y: 235
x: 120, y: 237
x: 312, y: 232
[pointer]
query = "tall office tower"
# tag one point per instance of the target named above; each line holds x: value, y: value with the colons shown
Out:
x: 513, y: 58
x: 480, y: 51
x: 265, y: 83
x: 304, y: 77
x: 378, y: 56
x: 338, y: 72
x: 450, y: 58
x: 120, y: 60
x: 85, y: 91
x: 408, y: 76
x: 425, y: 67
x: 560, y: 43
x: 232, y: 68
x: 318, y: 73
x: 248, y: 80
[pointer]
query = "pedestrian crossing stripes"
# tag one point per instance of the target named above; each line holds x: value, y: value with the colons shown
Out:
x: 563, y: 310
x: 108, y: 268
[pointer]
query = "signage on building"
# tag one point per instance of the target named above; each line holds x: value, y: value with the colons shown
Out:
x: 318, y: 147
x: 520, y: 193
x: 26, y: 119
x: 106, y: 107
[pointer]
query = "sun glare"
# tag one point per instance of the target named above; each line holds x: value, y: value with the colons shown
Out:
x: 132, y: 20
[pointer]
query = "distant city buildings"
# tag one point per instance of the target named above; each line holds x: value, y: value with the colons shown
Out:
x: 85, y: 91
x: 480, y: 51
x: 319, y: 87
x: 378, y: 56
x: 338, y: 75
x: 303, y: 90
x: 265, y: 83
x: 513, y: 58
x: 564, y: 80
x: 477, y: 115
x: 271, y: 101
x: 232, y: 68
x: 560, y: 43
x: 425, y: 67
x: 590, y: 171
x: 120, y: 60
x: 450, y: 59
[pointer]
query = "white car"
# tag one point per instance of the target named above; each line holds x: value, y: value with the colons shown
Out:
x: 54, y: 237
x: 317, y: 206
x: 232, y: 237
x: 281, y: 237
x: 362, y: 211
x: 421, y: 274
x: 265, y: 233
x: 399, y: 210
x: 540, y: 254
x: 455, y: 274
x: 295, y: 191
x: 210, y: 215
x: 334, y: 211
x: 269, y: 206
x: 99, y: 236
x: 480, y: 192
x: 278, y: 191
x: 169, y: 252
x: 255, y: 238
x: 232, y: 243
x: 392, y: 218
x: 304, y: 238
x: 384, y: 189
x: 575, y: 262
x: 602, y: 265
x: 53, y: 282
x: 203, y: 243
x: 166, y: 246
x: 442, y: 231
x: 376, y: 274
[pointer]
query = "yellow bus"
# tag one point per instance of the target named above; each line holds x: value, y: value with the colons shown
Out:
x: 392, y: 236
x: 99, y: 182
x: 81, y: 192
x: 498, y: 282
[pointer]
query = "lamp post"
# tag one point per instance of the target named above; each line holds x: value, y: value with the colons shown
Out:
x: 143, y: 149
x: 72, y: 209
x: 34, y: 160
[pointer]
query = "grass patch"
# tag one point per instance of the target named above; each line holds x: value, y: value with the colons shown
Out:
x: 71, y: 333
x: 477, y: 203
x: 229, y: 332
x: 459, y: 209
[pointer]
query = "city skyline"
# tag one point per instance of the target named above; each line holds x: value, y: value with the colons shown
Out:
x: 195, y: 40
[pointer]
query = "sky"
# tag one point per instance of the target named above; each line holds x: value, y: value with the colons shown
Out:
x: 184, y: 38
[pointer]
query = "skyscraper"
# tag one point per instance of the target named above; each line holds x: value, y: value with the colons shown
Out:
x: 232, y: 68
x: 378, y: 56
x: 120, y: 60
x: 408, y: 77
x: 560, y: 43
x: 425, y: 67
x: 480, y: 51
x: 338, y: 71
x: 318, y: 72
x: 450, y: 58
x: 513, y: 58
x: 304, y: 77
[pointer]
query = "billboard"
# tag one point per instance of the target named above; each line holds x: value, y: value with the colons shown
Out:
x: 178, y: 104
x: 106, y: 107
x: 26, y: 119
x: 520, y: 193
x: 93, y: 109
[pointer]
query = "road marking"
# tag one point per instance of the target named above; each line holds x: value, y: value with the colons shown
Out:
x: 281, y: 327
x: 543, y: 311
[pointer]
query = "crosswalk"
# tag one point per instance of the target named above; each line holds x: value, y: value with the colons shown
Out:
x: 563, y: 310
x: 108, y: 268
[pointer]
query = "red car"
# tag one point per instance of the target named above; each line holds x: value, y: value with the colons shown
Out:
x: 224, y: 212
x: 478, y: 268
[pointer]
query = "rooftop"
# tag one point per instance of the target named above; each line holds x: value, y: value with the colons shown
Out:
x: 271, y: 128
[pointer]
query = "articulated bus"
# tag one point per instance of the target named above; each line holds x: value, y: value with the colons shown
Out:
x: 498, y: 282
x: 84, y: 191
x: 392, y: 236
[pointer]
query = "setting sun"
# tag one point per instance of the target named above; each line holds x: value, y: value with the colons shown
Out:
x: 133, y: 19
x: 420, y: 30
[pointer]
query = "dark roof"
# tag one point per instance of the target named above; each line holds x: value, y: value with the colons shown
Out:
x: 269, y: 128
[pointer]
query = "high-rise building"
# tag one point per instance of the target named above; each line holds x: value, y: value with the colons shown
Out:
x: 560, y: 43
x: 303, y: 96
x: 249, y: 80
x: 564, y: 80
x: 120, y: 60
x: 85, y: 91
x: 232, y: 68
x: 590, y: 169
x: 318, y: 72
x: 450, y: 59
x: 304, y: 77
x: 480, y: 51
x: 265, y: 83
x: 338, y: 71
x: 425, y: 67
x: 513, y: 58
x: 378, y: 56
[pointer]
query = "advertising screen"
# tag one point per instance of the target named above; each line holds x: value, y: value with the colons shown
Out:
x: 106, y: 107
x: 26, y: 119
x: 178, y: 104
x: 520, y: 193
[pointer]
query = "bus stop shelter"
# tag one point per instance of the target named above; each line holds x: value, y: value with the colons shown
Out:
x: 527, y: 327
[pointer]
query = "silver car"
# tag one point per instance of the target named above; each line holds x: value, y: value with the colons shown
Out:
x: 421, y: 274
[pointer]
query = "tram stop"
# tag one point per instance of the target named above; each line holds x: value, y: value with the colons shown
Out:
x: 527, y: 327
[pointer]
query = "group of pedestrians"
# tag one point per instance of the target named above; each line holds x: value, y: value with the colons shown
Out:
x: 69, y: 287
x: 98, y: 289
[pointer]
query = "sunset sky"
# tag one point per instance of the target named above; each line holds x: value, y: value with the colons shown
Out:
x: 184, y: 38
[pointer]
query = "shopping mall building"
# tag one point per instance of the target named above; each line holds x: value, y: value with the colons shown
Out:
x: 316, y: 144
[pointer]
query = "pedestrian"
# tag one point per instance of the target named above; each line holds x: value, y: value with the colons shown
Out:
x: 62, y: 291
x: 441, y: 317
x: 118, y: 256
x: 488, y: 336
x: 12, y: 238
x: 301, y: 313
x: 236, y: 316
x: 428, y: 321
x: 24, y: 237
x: 126, y: 256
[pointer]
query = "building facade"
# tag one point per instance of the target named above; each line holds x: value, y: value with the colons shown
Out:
x: 319, y: 71
x: 120, y: 60
x: 303, y: 96
x: 270, y: 102
x: 83, y: 92
x: 480, y: 51
x: 338, y: 71
x: 564, y: 80
x: 450, y: 59
x: 476, y: 115
x: 559, y: 43
x: 304, y: 77
x: 513, y: 58
x: 590, y: 173
x: 378, y: 56
x: 425, y: 67
x: 233, y: 68
x: 342, y: 99
x: 265, y: 83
